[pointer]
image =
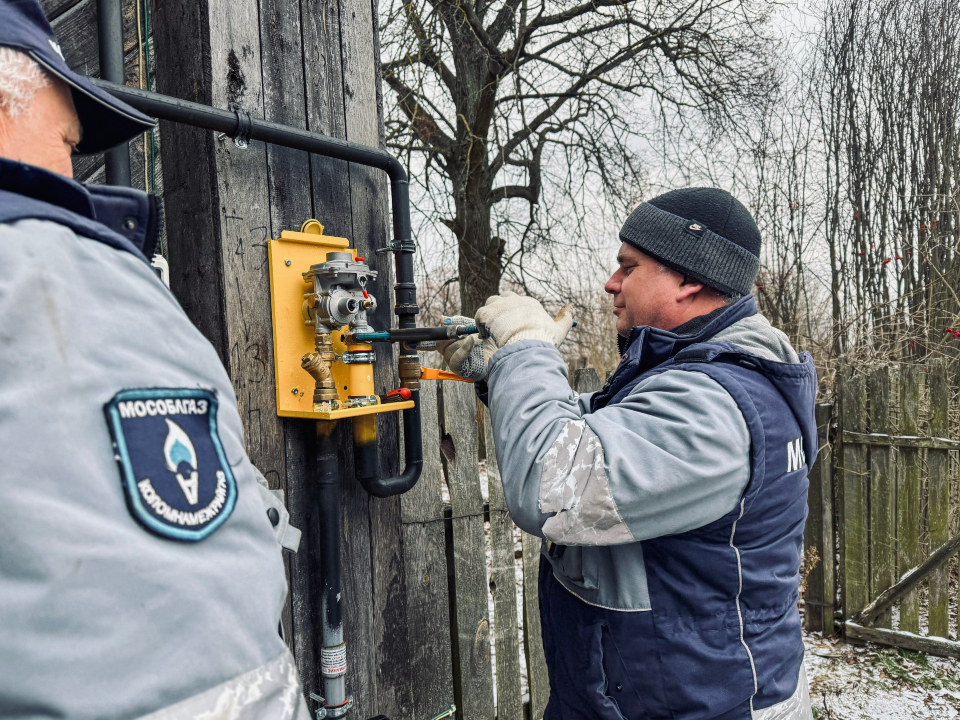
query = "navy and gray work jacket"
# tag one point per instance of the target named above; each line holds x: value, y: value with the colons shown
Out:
x: 672, y: 505
x: 141, y: 575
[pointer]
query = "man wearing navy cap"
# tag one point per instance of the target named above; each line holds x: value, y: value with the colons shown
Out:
x: 141, y: 573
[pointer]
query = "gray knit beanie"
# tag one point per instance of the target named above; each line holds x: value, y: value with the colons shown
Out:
x: 703, y: 233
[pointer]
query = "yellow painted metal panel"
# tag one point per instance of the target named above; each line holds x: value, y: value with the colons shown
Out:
x: 290, y: 256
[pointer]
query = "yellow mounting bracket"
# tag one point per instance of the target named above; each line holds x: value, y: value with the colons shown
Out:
x: 290, y: 256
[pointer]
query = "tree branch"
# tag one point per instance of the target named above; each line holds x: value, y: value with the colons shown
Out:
x: 422, y: 124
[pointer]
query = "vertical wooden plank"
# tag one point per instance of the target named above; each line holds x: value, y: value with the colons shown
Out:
x: 473, y: 680
x: 305, y: 585
x: 183, y: 70
x: 503, y: 585
x: 813, y: 596
x: 290, y: 201
x: 813, y: 546
x: 323, y: 82
x: 938, y: 498
x: 369, y: 192
x: 357, y: 559
x: 908, y: 494
x: 537, y: 678
x: 284, y: 102
x: 586, y: 380
x: 390, y: 612
x: 882, y: 492
x: 229, y: 228
x: 330, y: 186
x: 825, y: 415
x: 428, y: 618
x: 245, y: 218
x: 854, y: 554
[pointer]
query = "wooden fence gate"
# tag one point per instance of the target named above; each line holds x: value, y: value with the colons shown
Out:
x: 883, y: 522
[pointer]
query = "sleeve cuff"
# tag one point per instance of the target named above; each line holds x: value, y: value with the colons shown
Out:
x: 520, y: 346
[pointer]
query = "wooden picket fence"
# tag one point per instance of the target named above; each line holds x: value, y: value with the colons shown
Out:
x: 883, y: 502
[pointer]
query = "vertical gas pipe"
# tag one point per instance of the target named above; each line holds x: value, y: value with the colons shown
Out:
x: 333, y: 653
x: 110, y: 34
x: 366, y: 461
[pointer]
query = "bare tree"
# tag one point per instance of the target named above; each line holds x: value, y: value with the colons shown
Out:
x: 522, y: 117
x: 890, y: 118
x: 852, y: 173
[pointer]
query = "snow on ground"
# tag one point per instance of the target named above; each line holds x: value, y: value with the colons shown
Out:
x: 864, y: 683
x: 850, y: 682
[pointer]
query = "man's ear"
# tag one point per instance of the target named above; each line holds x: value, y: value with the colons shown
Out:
x: 689, y: 288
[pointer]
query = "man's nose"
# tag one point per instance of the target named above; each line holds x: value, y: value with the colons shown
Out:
x: 613, y: 284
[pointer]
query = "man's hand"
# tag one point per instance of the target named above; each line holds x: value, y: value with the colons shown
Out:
x: 467, y: 356
x: 503, y: 319
x: 509, y: 318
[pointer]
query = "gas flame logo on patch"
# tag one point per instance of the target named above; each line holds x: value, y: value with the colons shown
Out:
x: 181, y: 459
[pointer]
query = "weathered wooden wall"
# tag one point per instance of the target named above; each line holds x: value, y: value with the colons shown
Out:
x: 310, y: 64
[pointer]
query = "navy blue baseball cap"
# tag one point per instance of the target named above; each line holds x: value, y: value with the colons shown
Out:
x: 106, y: 121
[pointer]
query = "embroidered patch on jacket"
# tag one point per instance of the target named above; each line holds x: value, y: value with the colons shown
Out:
x: 175, y: 475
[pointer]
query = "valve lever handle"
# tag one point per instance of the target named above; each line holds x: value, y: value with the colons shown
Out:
x: 434, y: 374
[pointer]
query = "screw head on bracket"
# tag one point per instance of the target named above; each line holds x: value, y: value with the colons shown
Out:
x: 287, y: 263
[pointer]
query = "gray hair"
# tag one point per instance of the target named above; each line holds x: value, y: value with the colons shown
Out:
x: 20, y: 79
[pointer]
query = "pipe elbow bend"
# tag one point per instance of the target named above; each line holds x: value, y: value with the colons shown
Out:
x: 367, y: 462
x: 397, y: 485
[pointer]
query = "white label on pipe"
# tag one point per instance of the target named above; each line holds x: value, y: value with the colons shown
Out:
x: 333, y: 660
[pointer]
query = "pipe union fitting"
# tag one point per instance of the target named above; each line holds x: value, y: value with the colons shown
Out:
x: 409, y: 371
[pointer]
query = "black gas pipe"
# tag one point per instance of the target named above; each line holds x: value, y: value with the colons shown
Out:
x: 116, y: 162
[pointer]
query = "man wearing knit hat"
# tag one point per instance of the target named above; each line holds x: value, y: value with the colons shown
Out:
x: 672, y: 501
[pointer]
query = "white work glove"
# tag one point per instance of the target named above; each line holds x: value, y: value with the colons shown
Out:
x: 468, y: 355
x: 509, y: 318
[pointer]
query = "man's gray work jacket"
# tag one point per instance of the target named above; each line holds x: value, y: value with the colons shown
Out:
x: 672, y: 504
x: 140, y: 574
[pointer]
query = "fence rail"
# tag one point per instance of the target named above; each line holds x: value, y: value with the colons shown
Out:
x: 883, y: 496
